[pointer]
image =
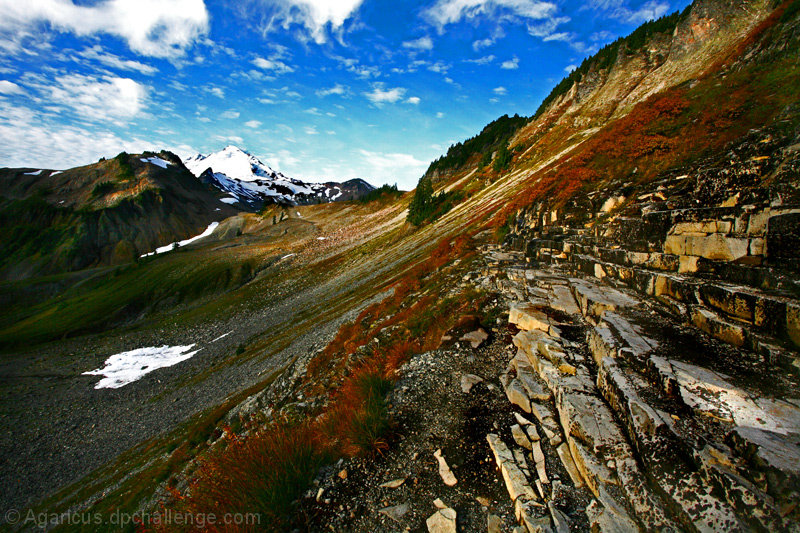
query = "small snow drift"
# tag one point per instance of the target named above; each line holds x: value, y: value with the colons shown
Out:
x: 127, y: 367
x: 157, y: 161
x: 208, y: 231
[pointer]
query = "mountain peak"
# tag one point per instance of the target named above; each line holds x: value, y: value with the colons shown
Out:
x: 234, y: 163
x: 250, y: 182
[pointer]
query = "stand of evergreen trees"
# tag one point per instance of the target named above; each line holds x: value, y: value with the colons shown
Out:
x: 426, y: 206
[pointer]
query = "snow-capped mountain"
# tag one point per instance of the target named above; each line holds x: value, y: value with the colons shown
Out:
x: 252, y: 183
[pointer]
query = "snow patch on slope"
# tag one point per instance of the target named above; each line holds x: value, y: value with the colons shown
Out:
x: 208, y: 231
x: 157, y: 161
x: 126, y: 367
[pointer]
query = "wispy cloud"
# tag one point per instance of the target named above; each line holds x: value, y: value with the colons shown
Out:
x: 219, y: 92
x: 336, y: 89
x: 9, y: 87
x: 150, y: 27
x: 570, y: 68
x: 482, y: 43
x: 545, y: 28
x: 101, y: 99
x: 354, y: 66
x: 379, y: 95
x: 413, y: 100
x: 30, y: 139
x: 276, y: 66
x: 439, y: 67
x: 500, y: 90
x: 97, y: 53
x: 380, y: 164
x: 481, y: 60
x: 621, y: 10
x: 230, y: 114
x: 445, y: 12
x: 275, y: 61
x: 423, y: 43
x: 252, y: 124
x: 318, y: 18
x: 511, y: 64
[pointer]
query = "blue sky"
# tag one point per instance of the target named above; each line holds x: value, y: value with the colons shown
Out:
x: 320, y: 90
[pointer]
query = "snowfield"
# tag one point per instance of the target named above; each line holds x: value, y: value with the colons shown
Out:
x: 127, y: 367
x: 208, y: 231
x: 157, y: 161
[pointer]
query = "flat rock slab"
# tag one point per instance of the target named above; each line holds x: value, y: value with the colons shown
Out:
x: 595, y: 299
x: 561, y: 299
x: 516, y: 483
x: 711, y: 393
x: 528, y: 317
x: 775, y: 451
x: 442, y: 521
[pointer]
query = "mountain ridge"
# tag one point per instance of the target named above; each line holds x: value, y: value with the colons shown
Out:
x: 251, y: 183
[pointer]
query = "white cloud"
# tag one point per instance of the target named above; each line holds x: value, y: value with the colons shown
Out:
x: 108, y: 98
x: 30, y: 140
x: 649, y: 11
x: 379, y: 95
x: 546, y: 27
x: 445, y: 12
x: 110, y: 60
x: 230, y: 139
x: 500, y: 90
x: 275, y: 65
x: 311, y: 130
x: 423, y: 43
x: 439, y: 67
x: 391, y: 166
x: 150, y: 27
x: 315, y: 16
x: 283, y: 160
x: 511, y: 64
x: 619, y: 9
x: 178, y: 86
x: 219, y: 92
x: 230, y: 114
x: 563, y: 36
x: 252, y: 124
x: 9, y: 87
x: 570, y: 68
x: 481, y: 60
x: 482, y: 43
x: 336, y: 89
x: 413, y: 100
x: 313, y: 111
x: 439, y: 115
